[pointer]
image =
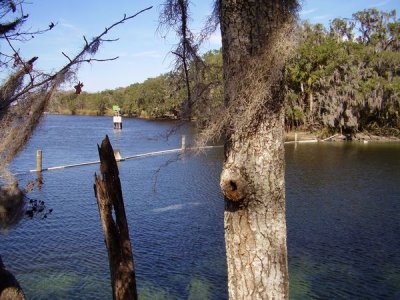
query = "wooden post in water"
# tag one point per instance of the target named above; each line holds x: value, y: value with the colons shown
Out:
x: 117, y: 155
x: 183, y: 143
x: 116, y: 232
x: 39, y: 161
x: 295, y: 137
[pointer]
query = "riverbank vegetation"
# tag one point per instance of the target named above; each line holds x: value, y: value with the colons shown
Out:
x: 159, y: 97
x: 345, y: 78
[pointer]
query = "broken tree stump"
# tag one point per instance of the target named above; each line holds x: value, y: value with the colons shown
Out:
x: 116, y: 233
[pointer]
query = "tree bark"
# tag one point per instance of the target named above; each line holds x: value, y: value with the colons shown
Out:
x: 310, y: 106
x: 252, y: 179
x: 116, y: 233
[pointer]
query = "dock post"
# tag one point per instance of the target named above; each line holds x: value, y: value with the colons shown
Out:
x: 39, y: 161
x: 117, y: 155
x: 295, y: 137
x: 183, y: 148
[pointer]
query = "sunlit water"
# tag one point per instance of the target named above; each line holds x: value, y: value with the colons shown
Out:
x: 343, y: 215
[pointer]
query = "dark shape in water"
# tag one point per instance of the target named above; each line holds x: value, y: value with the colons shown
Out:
x: 12, y: 205
x: 9, y: 286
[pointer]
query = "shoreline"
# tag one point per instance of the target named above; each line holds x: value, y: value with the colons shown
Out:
x: 363, y: 137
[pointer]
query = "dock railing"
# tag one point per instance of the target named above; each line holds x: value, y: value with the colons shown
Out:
x: 184, y: 147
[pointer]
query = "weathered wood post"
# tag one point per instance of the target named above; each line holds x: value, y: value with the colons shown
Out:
x: 117, y: 155
x: 183, y: 143
x: 39, y: 161
x: 116, y: 232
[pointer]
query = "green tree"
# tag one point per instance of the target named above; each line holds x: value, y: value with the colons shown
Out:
x: 374, y: 27
x: 346, y: 84
x: 342, y: 30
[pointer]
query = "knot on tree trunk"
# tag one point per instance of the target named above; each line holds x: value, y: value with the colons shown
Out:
x: 233, y: 184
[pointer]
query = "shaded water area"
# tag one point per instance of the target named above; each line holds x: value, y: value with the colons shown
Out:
x: 343, y: 215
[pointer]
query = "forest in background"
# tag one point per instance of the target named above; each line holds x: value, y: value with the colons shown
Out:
x: 345, y: 78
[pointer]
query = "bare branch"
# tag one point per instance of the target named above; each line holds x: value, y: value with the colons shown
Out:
x: 124, y: 19
x: 87, y: 44
x: 109, y: 40
x: 27, y: 66
x: 18, y: 121
x: 66, y: 56
x: 27, y: 35
x: 177, y: 54
x: 211, y: 24
x: 157, y: 172
x: 97, y: 59
x: 77, y: 59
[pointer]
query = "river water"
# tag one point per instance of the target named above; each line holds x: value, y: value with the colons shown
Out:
x: 343, y: 216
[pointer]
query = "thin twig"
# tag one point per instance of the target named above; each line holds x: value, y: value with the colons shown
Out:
x: 109, y: 40
x: 89, y: 60
x: 87, y: 44
x: 19, y: 57
x: 157, y: 172
x: 66, y: 56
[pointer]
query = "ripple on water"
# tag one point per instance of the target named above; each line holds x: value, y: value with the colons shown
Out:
x: 343, y: 213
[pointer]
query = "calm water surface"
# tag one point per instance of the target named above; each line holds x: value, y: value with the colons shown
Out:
x: 343, y: 217
x: 343, y: 214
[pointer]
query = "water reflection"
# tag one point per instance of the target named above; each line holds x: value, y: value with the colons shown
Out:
x: 176, y: 207
x: 343, y: 217
x: 176, y: 231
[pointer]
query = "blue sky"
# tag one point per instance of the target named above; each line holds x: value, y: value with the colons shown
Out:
x: 143, y: 52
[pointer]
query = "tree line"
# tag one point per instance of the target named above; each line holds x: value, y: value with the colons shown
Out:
x: 158, y: 97
x: 345, y: 78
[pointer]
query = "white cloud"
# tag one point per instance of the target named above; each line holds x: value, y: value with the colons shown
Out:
x: 71, y: 27
x: 215, y: 38
x: 379, y: 4
x: 148, y: 54
x: 308, y: 11
x: 322, y: 17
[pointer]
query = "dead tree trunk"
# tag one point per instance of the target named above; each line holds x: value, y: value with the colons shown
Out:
x: 116, y: 233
